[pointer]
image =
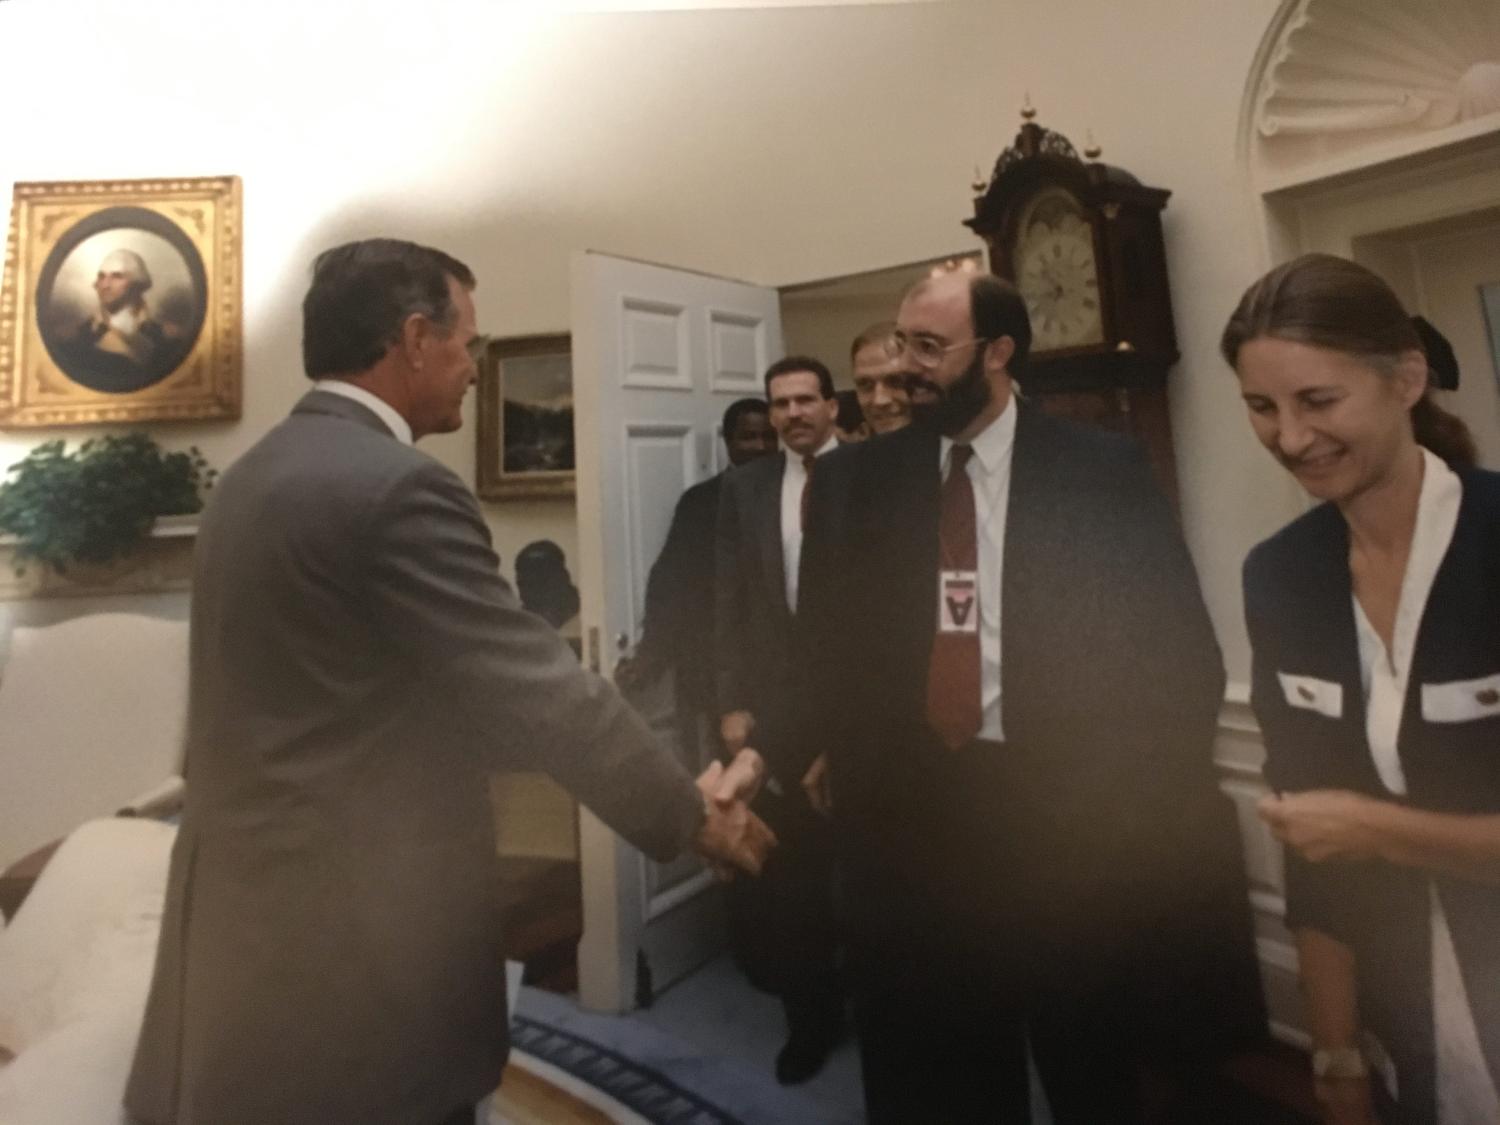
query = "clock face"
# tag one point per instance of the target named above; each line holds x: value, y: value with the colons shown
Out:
x: 1056, y: 273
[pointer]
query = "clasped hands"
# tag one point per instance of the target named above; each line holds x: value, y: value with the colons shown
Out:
x: 732, y: 837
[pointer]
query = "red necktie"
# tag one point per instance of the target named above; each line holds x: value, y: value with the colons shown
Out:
x: 807, y: 466
x: 953, y: 690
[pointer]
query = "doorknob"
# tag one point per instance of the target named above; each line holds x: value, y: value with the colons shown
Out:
x: 622, y: 642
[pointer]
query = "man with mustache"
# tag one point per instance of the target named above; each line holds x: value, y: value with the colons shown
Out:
x: 1006, y: 657
x: 782, y: 928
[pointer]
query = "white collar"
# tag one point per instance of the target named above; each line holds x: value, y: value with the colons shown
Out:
x: 400, y: 428
x: 992, y: 444
x: 1437, y: 515
x: 827, y: 447
x: 129, y: 319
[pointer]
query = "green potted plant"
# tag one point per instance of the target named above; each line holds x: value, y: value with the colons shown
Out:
x: 98, y: 502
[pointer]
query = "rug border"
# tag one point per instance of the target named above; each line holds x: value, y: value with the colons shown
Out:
x: 528, y: 1034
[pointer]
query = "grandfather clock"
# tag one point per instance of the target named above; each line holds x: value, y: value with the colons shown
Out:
x: 1082, y: 241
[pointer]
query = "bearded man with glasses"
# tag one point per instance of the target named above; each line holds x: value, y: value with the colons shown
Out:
x: 1033, y: 845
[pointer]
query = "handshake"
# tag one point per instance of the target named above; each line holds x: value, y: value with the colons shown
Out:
x: 732, y: 838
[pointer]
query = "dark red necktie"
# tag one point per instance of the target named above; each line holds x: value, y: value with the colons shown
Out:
x: 807, y: 467
x: 953, y: 703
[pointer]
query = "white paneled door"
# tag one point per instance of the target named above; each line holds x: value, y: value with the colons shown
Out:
x: 658, y: 354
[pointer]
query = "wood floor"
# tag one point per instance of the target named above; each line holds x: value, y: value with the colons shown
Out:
x: 527, y: 1099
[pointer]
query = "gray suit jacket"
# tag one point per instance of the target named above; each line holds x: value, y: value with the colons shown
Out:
x: 330, y: 949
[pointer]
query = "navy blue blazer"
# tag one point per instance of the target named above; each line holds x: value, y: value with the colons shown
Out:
x: 1307, y: 694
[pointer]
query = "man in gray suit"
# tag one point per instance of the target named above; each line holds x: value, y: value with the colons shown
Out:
x: 330, y: 949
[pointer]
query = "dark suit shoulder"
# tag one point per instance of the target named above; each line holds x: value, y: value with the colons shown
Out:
x: 1481, y: 490
x: 1068, y: 442
x: 739, y: 478
x: 705, y: 491
x: 1084, y: 468
x: 1310, y: 536
x: 700, y: 501
x: 881, y: 455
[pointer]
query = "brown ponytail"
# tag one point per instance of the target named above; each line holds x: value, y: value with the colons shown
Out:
x: 1331, y: 302
x: 1443, y: 433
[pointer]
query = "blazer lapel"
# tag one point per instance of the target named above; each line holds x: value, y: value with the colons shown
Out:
x: 1327, y: 598
x: 905, y: 506
x: 768, y: 533
x: 1024, y: 576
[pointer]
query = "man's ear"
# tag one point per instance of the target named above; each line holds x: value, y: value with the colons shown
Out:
x: 998, y: 352
x: 416, y: 330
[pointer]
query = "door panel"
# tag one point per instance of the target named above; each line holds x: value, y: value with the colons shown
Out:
x: 660, y: 460
x: 658, y: 354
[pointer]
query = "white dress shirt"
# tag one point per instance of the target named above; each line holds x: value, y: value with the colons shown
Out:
x: 1466, y: 1095
x: 793, y: 477
x: 989, y: 472
x: 399, y: 427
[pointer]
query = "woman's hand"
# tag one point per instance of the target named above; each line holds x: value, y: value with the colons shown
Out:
x: 1325, y: 824
x: 1345, y: 1101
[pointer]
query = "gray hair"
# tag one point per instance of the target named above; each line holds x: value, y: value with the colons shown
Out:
x: 129, y: 263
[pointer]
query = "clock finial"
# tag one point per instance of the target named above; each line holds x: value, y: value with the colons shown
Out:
x: 1028, y: 111
x: 981, y: 182
x: 1091, y: 147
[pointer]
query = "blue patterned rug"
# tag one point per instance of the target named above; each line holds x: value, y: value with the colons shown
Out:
x: 665, y: 1079
x: 639, y: 1088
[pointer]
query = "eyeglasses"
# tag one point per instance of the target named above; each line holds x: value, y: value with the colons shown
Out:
x: 928, y: 351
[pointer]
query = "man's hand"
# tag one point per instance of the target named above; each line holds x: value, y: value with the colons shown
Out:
x: 815, y: 785
x: 1325, y: 824
x: 732, y: 837
x: 740, y: 782
x: 734, y: 730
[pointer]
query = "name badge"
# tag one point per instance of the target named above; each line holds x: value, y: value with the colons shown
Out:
x: 958, y: 601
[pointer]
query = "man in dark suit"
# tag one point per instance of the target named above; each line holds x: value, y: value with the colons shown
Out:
x: 679, y: 622
x: 782, y: 927
x: 1008, y: 662
x: 330, y: 948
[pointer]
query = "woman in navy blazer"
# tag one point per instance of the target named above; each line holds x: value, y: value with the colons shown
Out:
x: 1375, y: 624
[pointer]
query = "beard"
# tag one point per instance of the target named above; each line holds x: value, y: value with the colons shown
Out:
x: 954, y: 407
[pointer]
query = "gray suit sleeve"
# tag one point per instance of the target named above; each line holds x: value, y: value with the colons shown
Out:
x: 518, y: 693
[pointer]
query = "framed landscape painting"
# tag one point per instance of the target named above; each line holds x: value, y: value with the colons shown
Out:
x: 525, y: 430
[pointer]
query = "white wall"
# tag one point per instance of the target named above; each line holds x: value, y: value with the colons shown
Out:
x: 777, y: 146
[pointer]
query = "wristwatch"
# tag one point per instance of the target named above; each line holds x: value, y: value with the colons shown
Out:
x: 1339, y: 1062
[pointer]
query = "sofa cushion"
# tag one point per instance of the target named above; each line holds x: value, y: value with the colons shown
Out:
x: 84, y: 942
